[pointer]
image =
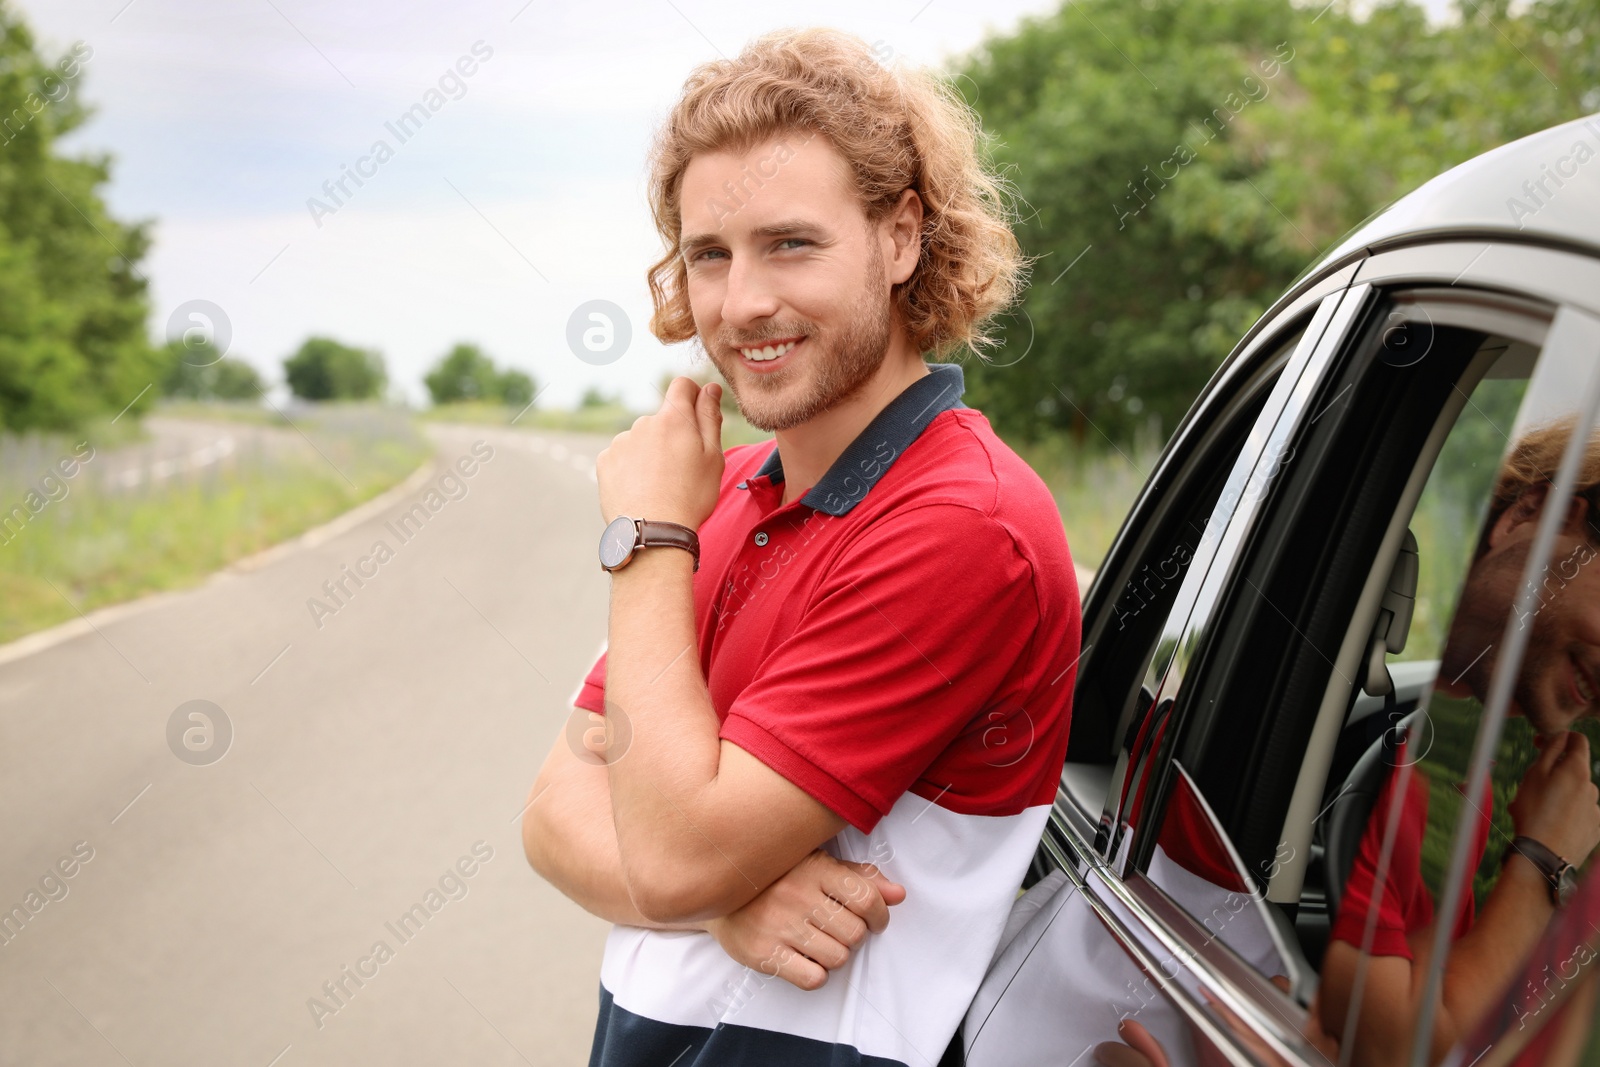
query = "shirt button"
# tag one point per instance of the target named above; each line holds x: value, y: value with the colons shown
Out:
x: 761, y: 538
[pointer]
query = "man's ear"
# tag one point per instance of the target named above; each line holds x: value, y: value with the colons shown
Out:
x: 1578, y: 517
x: 903, y: 227
x: 1514, y: 520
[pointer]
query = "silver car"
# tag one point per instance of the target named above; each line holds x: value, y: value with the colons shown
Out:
x: 1329, y: 787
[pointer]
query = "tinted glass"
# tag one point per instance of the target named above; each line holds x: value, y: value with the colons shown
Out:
x: 1487, y: 788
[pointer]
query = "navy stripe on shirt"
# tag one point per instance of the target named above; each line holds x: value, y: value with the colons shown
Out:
x: 623, y: 1039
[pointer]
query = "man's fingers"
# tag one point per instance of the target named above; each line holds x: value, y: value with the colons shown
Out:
x: 1550, y: 748
x: 709, y: 411
x: 1142, y: 1041
x: 681, y: 394
x: 892, y: 892
x: 796, y: 970
x: 846, y: 883
x: 839, y: 922
x: 822, y: 948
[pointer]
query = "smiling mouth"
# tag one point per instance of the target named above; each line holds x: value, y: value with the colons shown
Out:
x: 768, y: 352
x: 1582, y: 684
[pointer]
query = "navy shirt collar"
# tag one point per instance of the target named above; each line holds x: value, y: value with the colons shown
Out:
x: 887, y: 436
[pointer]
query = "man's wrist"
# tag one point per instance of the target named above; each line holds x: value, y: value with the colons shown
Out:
x: 625, y: 537
x: 1540, y: 865
x: 661, y: 560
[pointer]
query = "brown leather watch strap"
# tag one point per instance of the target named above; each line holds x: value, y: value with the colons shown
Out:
x: 670, y: 535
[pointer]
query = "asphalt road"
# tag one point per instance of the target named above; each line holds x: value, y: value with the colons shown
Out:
x: 380, y: 748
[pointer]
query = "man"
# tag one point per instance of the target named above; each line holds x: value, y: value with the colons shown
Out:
x: 1554, y: 809
x: 848, y: 649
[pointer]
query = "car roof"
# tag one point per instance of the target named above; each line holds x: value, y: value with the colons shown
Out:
x: 1501, y: 190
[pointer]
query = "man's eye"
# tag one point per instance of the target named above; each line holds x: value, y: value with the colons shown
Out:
x: 704, y: 253
x: 793, y: 241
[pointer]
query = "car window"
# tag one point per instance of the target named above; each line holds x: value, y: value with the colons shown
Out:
x: 1458, y: 485
x: 1441, y: 871
x: 1061, y: 978
x: 1487, y: 802
x: 1144, y: 569
x: 1147, y: 563
x: 1453, y: 397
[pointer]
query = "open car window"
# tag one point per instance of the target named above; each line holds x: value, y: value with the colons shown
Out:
x: 1322, y: 618
x: 1487, y: 803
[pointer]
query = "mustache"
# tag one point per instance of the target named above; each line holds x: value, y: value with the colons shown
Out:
x: 730, y: 340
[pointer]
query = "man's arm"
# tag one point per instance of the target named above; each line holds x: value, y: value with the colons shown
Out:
x: 569, y: 838
x: 1480, y: 965
x: 1556, y: 805
x: 802, y: 926
x: 702, y: 826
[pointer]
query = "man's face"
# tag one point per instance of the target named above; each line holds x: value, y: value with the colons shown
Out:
x: 1557, y: 684
x: 786, y: 277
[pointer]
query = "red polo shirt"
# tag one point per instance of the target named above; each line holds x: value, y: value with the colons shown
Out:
x: 904, y: 625
x: 899, y: 642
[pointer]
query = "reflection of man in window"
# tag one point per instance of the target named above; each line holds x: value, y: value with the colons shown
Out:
x: 1554, y: 803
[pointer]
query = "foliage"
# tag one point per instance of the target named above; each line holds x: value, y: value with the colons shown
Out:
x: 197, y: 372
x: 324, y: 369
x: 466, y: 373
x: 593, y: 398
x: 97, y: 540
x: 1199, y: 156
x: 72, y: 335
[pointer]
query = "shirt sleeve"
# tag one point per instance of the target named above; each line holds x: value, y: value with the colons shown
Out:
x: 1397, y: 903
x: 592, y: 693
x: 907, y: 640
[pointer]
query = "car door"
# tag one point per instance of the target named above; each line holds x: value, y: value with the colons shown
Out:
x: 1205, y: 866
x: 1058, y: 948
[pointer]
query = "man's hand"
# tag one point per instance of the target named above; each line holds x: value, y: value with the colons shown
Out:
x: 1556, y: 803
x: 806, y: 923
x: 668, y: 467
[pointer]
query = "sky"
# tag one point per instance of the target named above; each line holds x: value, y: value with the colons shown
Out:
x: 519, y: 201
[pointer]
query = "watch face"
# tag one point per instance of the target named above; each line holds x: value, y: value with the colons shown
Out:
x: 618, y: 542
x: 1566, y: 884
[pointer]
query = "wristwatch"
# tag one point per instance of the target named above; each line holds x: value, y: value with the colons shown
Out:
x: 1562, y: 876
x: 625, y: 536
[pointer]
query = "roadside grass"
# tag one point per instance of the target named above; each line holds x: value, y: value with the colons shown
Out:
x: 98, y: 542
x: 598, y: 418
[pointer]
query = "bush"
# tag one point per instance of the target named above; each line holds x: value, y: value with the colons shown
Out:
x: 196, y: 372
x: 466, y: 373
x: 324, y: 369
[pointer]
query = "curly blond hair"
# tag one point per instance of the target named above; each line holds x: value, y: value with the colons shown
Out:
x: 897, y: 129
x: 1534, y: 460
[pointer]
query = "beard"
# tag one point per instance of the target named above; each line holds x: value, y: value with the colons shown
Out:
x: 1472, y: 652
x: 834, y: 370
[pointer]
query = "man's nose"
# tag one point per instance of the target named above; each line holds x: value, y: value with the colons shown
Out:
x: 751, y: 295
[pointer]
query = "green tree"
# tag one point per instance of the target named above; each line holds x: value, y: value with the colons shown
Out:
x: 517, y: 388
x: 324, y: 369
x: 1178, y: 164
x: 196, y: 372
x: 73, y: 303
x: 466, y: 372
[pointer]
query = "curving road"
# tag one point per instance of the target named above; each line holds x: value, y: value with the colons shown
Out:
x: 346, y: 884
